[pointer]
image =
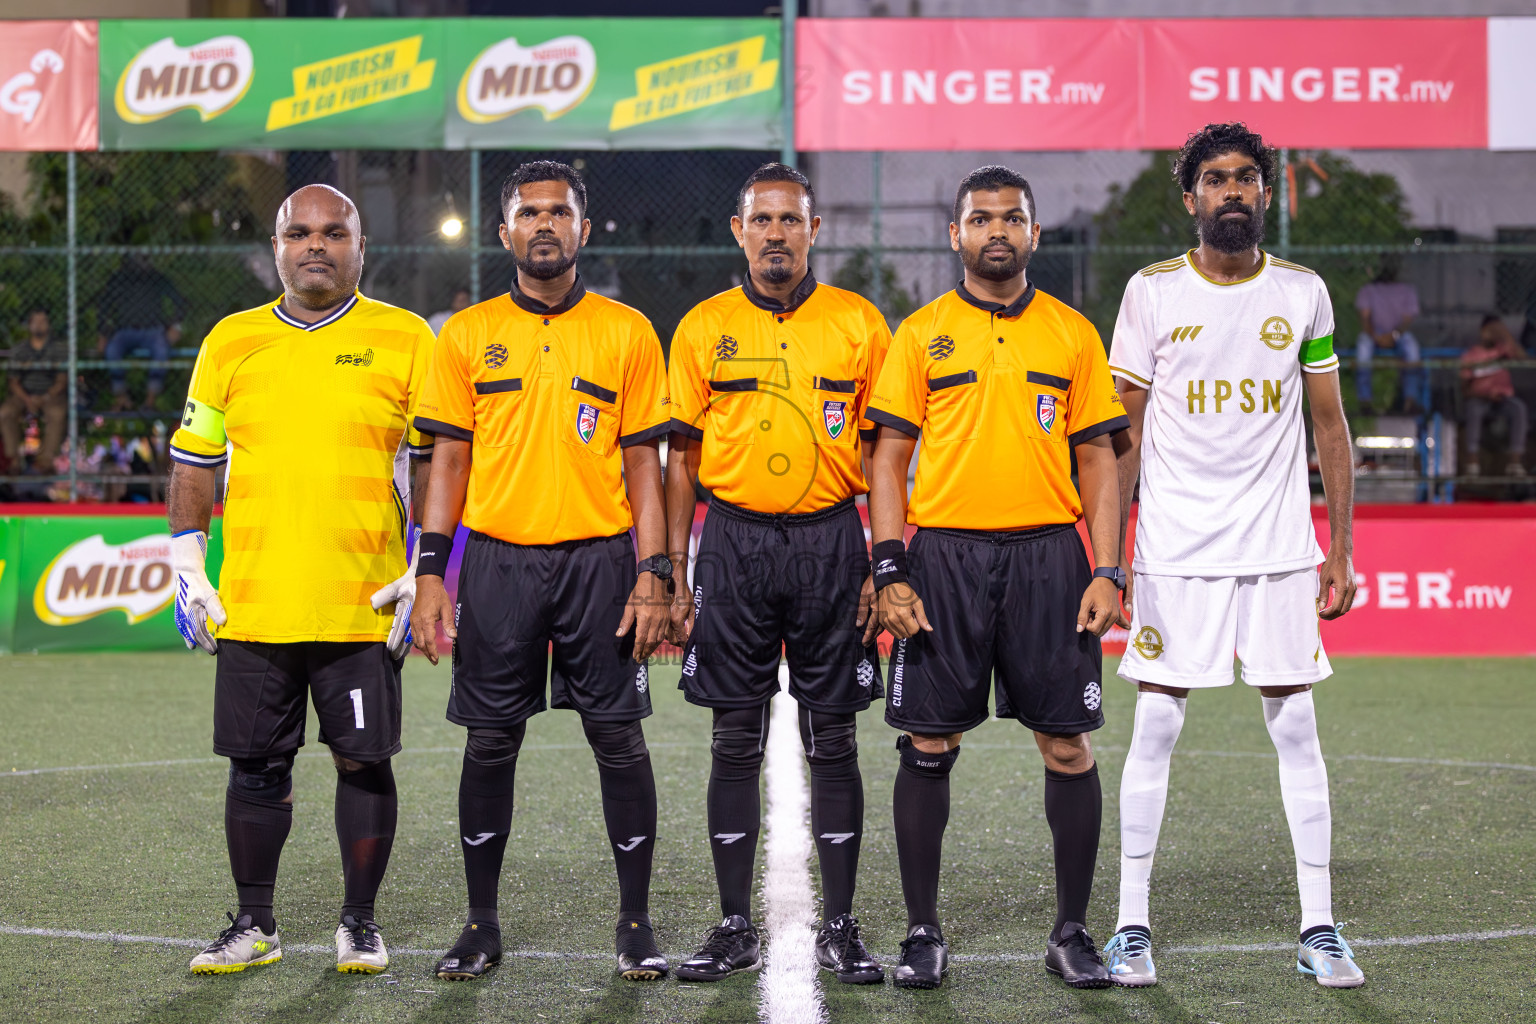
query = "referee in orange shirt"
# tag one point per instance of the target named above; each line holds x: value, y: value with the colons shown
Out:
x: 769, y: 384
x: 548, y: 404
x: 1004, y: 383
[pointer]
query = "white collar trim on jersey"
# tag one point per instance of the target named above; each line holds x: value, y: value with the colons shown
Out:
x: 301, y: 325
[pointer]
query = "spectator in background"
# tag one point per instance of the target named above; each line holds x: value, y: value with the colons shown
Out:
x: 140, y: 314
x: 1491, y: 392
x: 461, y: 300
x: 36, y: 389
x: 1386, y: 307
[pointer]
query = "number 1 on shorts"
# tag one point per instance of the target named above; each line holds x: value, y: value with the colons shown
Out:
x: 357, y: 706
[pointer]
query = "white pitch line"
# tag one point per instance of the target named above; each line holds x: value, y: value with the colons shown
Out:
x: 1277, y: 947
x: 294, y: 947
x: 1452, y: 938
x: 787, y: 989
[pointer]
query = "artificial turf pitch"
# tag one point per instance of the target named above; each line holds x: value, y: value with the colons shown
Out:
x: 1420, y: 849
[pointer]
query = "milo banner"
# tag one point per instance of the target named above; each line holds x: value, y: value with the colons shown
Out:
x: 89, y: 583
x: 401, y: 83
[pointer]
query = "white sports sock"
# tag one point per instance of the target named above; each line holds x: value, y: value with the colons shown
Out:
x: 1292, y: 723
x: 1143, y: 795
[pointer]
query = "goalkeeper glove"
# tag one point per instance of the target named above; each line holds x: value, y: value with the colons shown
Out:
x: 403, y: 593
x: 196, y: 600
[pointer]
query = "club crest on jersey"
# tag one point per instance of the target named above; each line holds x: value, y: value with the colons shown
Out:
x: 836, y: 419
x: 1045, y: 411
x: 586, y: 422
x: 726, y: 347
x: 1276, y: 333
x: 941, y: 347
x: 355, y: 358
x: 495, y: 356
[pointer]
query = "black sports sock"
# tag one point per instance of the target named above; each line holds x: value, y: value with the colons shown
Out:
x: 1074, y: 805
x: 485, y: 819
x: 921, y: 812
x: 629, y: 807
x: 255, y: 830
x: 837, y: 805
x: 366, y: 811
x: 734, y: 804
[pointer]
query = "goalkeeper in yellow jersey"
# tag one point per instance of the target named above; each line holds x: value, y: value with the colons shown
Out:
x: 308, y: 401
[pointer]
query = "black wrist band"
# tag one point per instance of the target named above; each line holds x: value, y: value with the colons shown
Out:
x: 890, y: 563
x: 433, y: 559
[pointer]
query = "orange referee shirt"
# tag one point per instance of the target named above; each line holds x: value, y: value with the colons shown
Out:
x: 999, y: 394
x: 547, y: 395
x: 777, y: 393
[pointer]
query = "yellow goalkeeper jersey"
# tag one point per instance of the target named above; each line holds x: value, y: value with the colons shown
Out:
x: 315, y: 422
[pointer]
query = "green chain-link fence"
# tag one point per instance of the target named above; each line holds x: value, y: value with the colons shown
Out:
x: 165, y: 244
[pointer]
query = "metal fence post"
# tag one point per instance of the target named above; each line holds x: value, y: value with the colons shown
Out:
x: 1285, y: 203
x: 474, y: 225
x: 876, y: 267
x: 787, y: 14
x: 72, y: 285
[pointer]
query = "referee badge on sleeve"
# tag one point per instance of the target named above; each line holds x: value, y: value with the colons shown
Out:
x: 586, y: 422
x: 1045, y: 411
x: 835, y: 417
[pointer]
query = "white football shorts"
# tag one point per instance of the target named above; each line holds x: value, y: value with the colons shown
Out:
x: 1185, y: 630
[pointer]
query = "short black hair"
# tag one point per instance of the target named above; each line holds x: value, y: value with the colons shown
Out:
x: 1216, y: 139
x: 775, y: 172
x: 544, y: 170
x: 32, y: 312
x: 989, y: 179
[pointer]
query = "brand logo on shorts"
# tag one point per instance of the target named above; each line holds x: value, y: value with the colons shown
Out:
x: 698, y: 601
x: 1276, y: 333
x: 1092, y: 696
x: 832, y: 413
x: 1045, y: 411
x: 692, y: 664
x: 1148, y: 643
x: 726, y: 347
x: 866, y: 673
x: 941, y: 347
x: 495, y: 356
x: 643, y: 679
x: 355, y: 358
x: 898, y: 667
x: 586, y: 422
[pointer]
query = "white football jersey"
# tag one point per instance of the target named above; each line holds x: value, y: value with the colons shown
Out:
x: 1223, y: 452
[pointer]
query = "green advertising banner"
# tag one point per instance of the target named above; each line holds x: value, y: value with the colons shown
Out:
x: 404, y: 83
x: 75, y: 583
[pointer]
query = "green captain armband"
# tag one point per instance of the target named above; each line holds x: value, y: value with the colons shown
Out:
x: 205, y: 421
x: 1318, y: 350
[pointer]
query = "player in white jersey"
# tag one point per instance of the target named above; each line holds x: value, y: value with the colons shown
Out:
x: 1211, y: 354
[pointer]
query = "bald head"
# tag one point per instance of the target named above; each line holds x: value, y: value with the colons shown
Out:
x: 318, y: 247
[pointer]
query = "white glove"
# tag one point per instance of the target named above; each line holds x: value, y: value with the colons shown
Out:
x: 403, y: 593
x: 196, y: 600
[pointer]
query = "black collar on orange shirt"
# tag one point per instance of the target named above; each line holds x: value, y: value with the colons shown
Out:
x: 796, y: 298
x: 525, y: 301
x: 1009, y: 311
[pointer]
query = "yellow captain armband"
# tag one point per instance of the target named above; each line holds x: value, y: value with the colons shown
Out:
x: 205, y: 421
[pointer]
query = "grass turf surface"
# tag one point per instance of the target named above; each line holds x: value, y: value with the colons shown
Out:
x: 1419, y: 849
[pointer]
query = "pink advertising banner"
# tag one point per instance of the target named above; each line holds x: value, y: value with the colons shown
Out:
x: 48, y: 85
x: 1026, y: 84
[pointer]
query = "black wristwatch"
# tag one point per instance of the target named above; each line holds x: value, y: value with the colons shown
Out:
x: 1114, y: 573
x: 661, y: 565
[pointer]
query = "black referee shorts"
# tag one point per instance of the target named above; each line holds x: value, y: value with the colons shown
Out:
x: 1002, y: 605
x: 765, y: 583
x: 514, y: 602
x: 259, y: 692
